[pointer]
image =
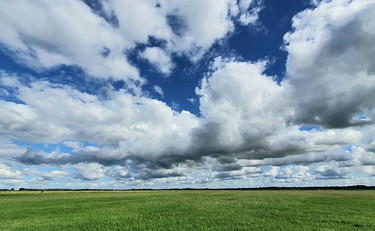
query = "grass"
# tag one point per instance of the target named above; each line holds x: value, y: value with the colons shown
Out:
x: 188, y: 210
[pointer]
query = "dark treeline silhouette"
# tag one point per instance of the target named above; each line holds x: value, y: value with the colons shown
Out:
x: 351, y: 187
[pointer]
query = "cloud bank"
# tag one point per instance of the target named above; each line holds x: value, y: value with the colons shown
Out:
x: 249, y: 127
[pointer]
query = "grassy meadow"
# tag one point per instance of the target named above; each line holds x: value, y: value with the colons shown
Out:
x: 188, y: 210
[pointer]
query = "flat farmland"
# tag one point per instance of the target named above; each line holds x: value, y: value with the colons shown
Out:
x: 189, y: 210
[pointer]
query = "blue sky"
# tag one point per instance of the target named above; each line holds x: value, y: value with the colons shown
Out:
x: 187, y: 93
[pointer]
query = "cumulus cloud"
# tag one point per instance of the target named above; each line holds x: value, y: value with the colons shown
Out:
x: 123, y: 125
x: 108, y: 30
x: 89, y: 171
x: 128, y: 125
x: 9, y: 149
x: 188, y: 26
x: 158, y: 58
x: 88, y: 118
x: 330, y: 171
x: 7, y: 173
x: 332, y: 74
x: 241, y: 107
x: 247, y: 14
x: 245, y: 115
x: 294, y: 172
x: 198, y: 24
x: 136, y: 26
x: 53, y: 37
x: 248, y: 126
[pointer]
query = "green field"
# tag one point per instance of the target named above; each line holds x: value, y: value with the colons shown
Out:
x: 188, y: 210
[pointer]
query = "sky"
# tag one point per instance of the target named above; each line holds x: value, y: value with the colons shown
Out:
x: 123, y: 94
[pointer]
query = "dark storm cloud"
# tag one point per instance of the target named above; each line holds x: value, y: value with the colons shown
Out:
x: 38, y: 157
x: 304, y: 159
x: 339, y: 114
x: 148, y: 174
x: 280, y: 154
x: 206, y: 139
x: 141, y: 169
x: 227, y: 167
x: 228, y: 176
x: 225, y: 159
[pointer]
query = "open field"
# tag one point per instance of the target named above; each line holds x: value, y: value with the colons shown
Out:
x: 189, y: 210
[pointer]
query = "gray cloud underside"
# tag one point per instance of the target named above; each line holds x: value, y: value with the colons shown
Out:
x: 336, y: 83
x: 245, y: 114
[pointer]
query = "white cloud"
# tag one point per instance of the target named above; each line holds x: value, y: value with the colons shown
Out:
x: 73, y: 144
x: 53, y: 175
x: 249, y: 15
x: 78, y: 146
x: 158, y: 58
x: 201, y: 23
x: 241, y: 106
x: 159, y: 90
x: 294, y: 172
x: 7, y: 173
x: 53, y: 37
x: 135, y: 125
x: 272, y: 171
x: 90, y: 171
x: 9, y: 80
x: 9, y: 149
x: 70, y: 33
x: 332, y: 74
x: 46, y: 175
x: 369, y: 170
x: 340, y: 137
x: 188, y: 26
x: 247, y: 121
x: 331, y: 170
x: 140, y: 19
x: 245, y: 115
x: 192, y: 100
